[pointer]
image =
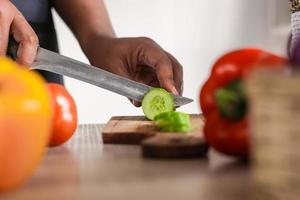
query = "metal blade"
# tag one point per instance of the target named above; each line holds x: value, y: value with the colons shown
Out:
x: 53, y: 62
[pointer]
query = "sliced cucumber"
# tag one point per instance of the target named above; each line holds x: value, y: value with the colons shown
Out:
x: 173, y: 122
x: 157, y: 101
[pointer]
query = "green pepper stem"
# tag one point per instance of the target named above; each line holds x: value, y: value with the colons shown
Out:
x: 231, y: 101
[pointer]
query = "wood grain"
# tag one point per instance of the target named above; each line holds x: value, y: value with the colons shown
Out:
x: 134, y: 129
x: 84, y: 168
x: 174, y: 146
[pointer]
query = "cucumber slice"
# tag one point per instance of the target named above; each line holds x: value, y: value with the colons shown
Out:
x: 156, y: 101
x: 173, y: 122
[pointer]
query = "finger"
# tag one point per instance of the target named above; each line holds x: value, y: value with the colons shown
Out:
x: 163, y: 68
x: 144, y: 74
x: 4, y: 34
x: 164, y: 72
x: 177, y: 73
x: 27, y: 39
x: 151, y: 54
x: 136, y: 103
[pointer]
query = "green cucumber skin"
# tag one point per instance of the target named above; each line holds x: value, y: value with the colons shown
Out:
x: 156, y: 101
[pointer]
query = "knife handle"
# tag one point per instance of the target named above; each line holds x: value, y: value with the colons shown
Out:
x: 12, y: 48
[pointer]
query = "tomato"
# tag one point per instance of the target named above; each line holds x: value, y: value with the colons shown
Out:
x: 64, y: 121
x: 25, y: 123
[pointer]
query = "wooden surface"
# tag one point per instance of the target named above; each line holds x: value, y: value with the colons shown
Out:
x: 174, y: 146
x: 134, y: 129
x: 84, y: 168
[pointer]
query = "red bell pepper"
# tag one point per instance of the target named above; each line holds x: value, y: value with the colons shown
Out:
x: 223, y: 102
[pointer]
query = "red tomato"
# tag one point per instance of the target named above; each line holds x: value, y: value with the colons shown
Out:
x: 64, y: 121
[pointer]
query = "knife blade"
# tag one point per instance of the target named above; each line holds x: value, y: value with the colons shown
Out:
x: 56, y: 63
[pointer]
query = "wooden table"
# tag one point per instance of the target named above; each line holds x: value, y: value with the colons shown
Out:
x: 84, y: 168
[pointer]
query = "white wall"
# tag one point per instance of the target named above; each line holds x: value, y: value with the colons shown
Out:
x: 195, y: 31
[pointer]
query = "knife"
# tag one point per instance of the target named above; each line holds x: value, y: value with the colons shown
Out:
x: 56, y: 63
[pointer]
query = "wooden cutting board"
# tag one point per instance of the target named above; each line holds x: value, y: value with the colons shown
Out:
x: 134, y: 129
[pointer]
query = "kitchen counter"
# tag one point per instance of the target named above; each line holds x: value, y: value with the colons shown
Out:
x: 84, y: 168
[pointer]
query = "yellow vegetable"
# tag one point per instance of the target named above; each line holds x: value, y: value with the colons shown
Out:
x: 25, y: 123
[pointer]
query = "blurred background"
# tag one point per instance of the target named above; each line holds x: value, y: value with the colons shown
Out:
x: 196, y: 32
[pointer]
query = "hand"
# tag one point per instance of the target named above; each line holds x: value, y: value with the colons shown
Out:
x: 139, y: 59
x: 13, y: 22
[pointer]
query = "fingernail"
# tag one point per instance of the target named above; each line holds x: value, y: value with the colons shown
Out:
x: 174, y: 90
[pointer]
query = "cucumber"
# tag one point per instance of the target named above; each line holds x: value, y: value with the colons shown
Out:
x: 156, y: 101
x: 173, y: 122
